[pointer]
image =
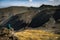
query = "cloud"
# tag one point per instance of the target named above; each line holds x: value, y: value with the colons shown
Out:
x: 35, y: 3
x: 57, y: 2
x: 19, y: 3
x: 54, y: 2
x: 30, y: 0
x: 51, y: 0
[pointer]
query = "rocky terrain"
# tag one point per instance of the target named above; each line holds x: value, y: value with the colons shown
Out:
x: 45, y: 17
x: 28, y: 34
x: 6, y: 34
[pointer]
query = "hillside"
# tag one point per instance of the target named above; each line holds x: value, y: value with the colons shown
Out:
x: 37, y: 35
x: 30, y: 23
x: 22, y: 17
x: 28, y: 34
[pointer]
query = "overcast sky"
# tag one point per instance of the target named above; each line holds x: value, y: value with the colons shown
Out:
x: 34, y: 3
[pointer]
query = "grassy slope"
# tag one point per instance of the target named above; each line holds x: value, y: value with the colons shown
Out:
x: 36, y: 35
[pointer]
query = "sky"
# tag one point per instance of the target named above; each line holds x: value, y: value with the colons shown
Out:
x: 29, y: 3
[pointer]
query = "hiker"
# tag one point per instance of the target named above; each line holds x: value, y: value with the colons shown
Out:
x: 10, y: 29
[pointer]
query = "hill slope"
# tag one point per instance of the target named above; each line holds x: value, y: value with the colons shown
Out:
x: 36, y: 35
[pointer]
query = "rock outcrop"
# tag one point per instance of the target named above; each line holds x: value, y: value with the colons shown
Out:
x: 6, y: 34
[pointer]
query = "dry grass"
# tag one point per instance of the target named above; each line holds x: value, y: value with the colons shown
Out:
x: 37, y: 35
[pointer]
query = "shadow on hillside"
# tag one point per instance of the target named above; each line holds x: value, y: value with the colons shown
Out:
x: 56, y: 15
x: 39, y: 20
x: 16, y: 23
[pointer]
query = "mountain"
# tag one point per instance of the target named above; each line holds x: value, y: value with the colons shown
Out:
x: 45, y: 16
x: 23, y: 16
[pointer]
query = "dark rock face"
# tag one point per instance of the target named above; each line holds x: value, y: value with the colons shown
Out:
x: 16, y: 23
x: 39, y: 20
x: 56, y: 15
